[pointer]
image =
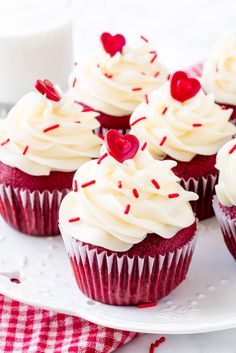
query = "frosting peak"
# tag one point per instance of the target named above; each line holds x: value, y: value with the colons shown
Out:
x: 219, y: 71
x: 116, y: 84
x: 115, y: 205
x: 181, y: 129
x: 44, y: 135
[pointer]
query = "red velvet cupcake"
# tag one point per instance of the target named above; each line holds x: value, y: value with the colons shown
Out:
x: 44, y: 139
x: 219, y: 74
x: 178, y: 121
x: 128, y: 228
x: 225, y: 200
x: 116, y: 80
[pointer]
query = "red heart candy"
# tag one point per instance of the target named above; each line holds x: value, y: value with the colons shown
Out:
x: 112, y: 44
x: 46, y: 87
x: 183, y: 87
x: 121, y: 147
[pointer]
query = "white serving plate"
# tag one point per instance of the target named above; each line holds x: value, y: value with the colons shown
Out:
x: 204, y: 302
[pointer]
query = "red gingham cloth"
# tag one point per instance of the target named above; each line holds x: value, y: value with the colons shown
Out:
x: 24, y: 329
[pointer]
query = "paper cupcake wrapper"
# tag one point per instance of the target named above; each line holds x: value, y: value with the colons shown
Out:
x: 33, y: 213
x: 205, y: 188
x: 228, y: 227
x: 121, y: 280
x: 101, y: 131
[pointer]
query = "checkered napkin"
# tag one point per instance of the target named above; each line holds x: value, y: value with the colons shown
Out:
x: 24, y: 329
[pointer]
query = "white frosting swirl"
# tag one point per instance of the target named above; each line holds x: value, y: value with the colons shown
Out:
x: 226, y: 163
x: 101, y: 206
x: 219, y: 71
x: 133, y: 69
x: 169, y: 125
x: 62, y: 149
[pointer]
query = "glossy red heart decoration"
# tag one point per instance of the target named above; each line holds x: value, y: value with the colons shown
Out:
x: 183, y: 87
x: 121, y: 147
x: 112, y: 44
x: 46, y: 88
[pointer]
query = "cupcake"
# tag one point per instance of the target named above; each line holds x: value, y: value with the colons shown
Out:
x: 224, y: 202
x: 128, y: 225
x: 219, y: 74
x: 43, y: 140
x: 180, y: 122
x: 117, y: 79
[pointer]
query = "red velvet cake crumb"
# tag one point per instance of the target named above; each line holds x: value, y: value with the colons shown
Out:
x: 198, y: 167
x: 19, y: 179
x: 154, y: 244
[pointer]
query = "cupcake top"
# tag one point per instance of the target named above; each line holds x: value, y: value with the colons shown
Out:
x: 226, y: 163
x: 219, y: 71
x: 47, y: 131
x: 117, y: 79
x: 180, y: 121
x: 124, y: 195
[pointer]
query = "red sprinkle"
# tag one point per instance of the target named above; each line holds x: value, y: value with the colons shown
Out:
x: 127, y: 209
x: 152, y: 52
x: 144, y: 146
x: 76, y: 219
x: 75, y: 186
x: 119, y: 184
x: 147, y: 305
x: 87, y: 109
x: 101, y: 136
x: 197, y: 125
x: 102, y: 157
x: 153, y: 58
x: 143, y: 73
x: 146, y: 99
x: 136, y: 121
x: 74, y: 82
x: 137, y: 89
x: 156, y: 344
x: 77, y: 122
x: 155, y: 183
x: 135, y: 193
x: 108, y: 76
x: 51, y: 128
x: 98, y: 65
x: 157, y: 74
x: 25, y: 150
x: 5, y: 142
x: 223, y: 107
x: 88, y: 183
x: 164, y: 110
x: 145, y: 39
x: 232, y: 149
x: 168, y: 77
x: 163, y: 141
x: 173, y: 196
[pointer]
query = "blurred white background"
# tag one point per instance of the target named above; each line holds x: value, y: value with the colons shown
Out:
x: 182, y: 30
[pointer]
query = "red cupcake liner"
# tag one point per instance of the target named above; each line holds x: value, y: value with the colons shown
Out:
x: 205, y: 188
x: 120, y: 280
x: 31, y: 212
x: 228, y: 227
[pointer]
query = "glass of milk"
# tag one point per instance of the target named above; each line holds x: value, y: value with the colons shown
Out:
x: 35, y: 43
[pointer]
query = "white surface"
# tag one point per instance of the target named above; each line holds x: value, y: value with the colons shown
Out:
x: 35, y: 43
x: 215, y: 342
x: 204, y: 302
